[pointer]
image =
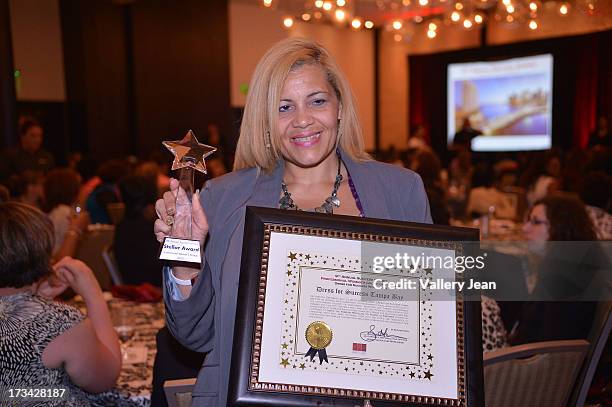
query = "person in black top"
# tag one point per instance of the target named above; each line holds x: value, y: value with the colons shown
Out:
x: 29, y: 155
x: 562, y: 303
x: 601, y: 135
x: 135, y: 249
x: 463, y: 138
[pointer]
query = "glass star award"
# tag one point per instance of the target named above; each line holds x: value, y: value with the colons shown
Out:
x: 189, y: 155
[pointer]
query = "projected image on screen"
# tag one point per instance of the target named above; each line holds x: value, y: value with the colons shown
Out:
x: 502, y: 105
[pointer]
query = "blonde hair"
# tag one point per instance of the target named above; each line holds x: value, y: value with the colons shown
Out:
x: 261, y: 109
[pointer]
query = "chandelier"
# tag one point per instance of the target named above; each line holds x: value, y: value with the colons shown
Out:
x: 403, y: 17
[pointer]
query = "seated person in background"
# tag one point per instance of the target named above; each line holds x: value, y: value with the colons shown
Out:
x: 27, y: 187
x: 485, y: 194
x: 107, y: 191
x: 136, y: 250
x: 61, y: 190
x: 601, y: 135
x: 47, y: 344
x: 87, y: 169
x: 152, y: 170
x: 416, y: 138
x: 29, y: 155
x: 596, y: 192
x: 555, y: 311
x: 542, y: 176
x: 427, y: 164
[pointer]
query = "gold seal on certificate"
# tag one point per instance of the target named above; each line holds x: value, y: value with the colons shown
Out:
x: 318, y: 335
x: 189, y: 155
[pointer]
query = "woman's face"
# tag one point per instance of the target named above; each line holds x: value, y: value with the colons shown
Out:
x: 31, y: 141
x: 537, y: 225
x: 307, y: 117
x: 553, y: 167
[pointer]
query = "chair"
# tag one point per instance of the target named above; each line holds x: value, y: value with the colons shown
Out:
x: 178, y: 392
x: 533, y: 375
x: 111, y: 264
x: 90, y: 251
x: 598, y: 337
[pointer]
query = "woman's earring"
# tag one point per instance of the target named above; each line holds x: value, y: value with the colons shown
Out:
x: 268, y: 142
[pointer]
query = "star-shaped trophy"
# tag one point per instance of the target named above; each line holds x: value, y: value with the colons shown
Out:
x: 189, y: 155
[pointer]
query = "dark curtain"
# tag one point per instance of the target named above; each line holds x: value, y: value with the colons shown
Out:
x: 586, y: 84
x: 582, y: 85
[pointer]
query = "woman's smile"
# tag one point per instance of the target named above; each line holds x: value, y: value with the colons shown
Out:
x: 306, y: 139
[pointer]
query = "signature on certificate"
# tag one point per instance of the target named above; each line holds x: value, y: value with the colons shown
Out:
x: 381, y: 334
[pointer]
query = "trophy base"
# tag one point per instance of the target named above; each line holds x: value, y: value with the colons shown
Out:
x: 181, y: 251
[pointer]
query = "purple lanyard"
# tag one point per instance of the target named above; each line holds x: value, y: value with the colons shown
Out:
x: 355, y: 196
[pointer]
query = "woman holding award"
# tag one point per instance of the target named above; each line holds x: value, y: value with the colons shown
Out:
x: 301, y: 148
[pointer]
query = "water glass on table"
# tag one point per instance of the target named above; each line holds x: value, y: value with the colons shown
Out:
x: 124, y: 325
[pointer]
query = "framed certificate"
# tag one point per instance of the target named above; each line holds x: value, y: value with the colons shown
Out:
x: 346, y: 311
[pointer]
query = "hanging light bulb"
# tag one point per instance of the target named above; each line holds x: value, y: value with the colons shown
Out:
x: 432, y: 26
x: 267, y: 3
x: 455, y: 16
x: 431, y: 34
x: 288, y: 22
x: 397, y: 25
x: 564, y: 8
x: 478, y: 18
x: 467, y: 24
x: 317, y: 15
x: 369, y: 25
x: 356, y: 23
x: 318, y: 3
x: 340, y: 14
x: 327, y: 5
x: 533, y: 25
x: 306, y: 17
x: 340, y: 3
x: 423, y: 3
x: 397, y: 37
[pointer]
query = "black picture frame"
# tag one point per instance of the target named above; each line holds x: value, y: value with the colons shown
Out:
x: 247, y: 313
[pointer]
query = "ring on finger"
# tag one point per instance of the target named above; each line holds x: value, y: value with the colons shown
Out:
x: 170, y: 220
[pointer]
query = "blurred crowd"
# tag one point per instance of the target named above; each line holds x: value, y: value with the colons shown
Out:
x: 120, y: 192
x: 506, y: 185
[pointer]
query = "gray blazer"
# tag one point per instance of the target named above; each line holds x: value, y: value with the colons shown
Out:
x: 204, y: 322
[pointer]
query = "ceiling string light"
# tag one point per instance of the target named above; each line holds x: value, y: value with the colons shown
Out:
x: 402, y: 18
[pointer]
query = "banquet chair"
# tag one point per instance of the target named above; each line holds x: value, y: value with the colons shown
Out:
x: 108, y: 255
x: 90, y: 250
x: 598, y: 337
x: 533, y: 375
x: 178, y: 392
